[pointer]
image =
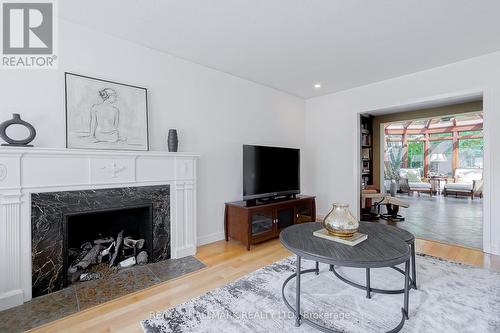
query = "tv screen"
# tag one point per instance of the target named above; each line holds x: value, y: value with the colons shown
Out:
x: 270, y: 171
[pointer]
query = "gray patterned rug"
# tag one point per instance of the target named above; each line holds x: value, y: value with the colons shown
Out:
x: 451, y: 298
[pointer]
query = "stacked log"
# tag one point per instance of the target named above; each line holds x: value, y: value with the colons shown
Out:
x: 116, y: 253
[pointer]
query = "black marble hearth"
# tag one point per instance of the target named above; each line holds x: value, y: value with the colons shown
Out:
x: 48, y: 214
x: 84, y: 295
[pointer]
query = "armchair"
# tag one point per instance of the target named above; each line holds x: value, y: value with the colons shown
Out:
x: 414, y: 182
x: 465, y: 182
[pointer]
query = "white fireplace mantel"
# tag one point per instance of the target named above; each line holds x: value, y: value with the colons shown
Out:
x: 30, y: 170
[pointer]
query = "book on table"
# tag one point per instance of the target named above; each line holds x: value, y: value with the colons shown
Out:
x: 351, y: 241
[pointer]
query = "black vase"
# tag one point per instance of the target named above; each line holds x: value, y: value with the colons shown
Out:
x: 173, y: 141
x: 16, y: 120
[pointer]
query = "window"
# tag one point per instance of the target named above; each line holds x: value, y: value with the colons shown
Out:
x: 440, y: 135
x: 434, y: 145
x: 440, y: 157
x: 394, y: 138
x: 470, y: 153
x: 415, y: 137
x: 471, y: 133
x: 415, y: 154
x: 393, y: 155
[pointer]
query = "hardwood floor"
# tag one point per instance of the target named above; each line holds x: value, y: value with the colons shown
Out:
x: 445, y: 219
x: 225, y: 262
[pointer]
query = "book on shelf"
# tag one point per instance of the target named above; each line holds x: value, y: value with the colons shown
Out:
x: 351, y: 241
x: 366, y: 140
x: 366, y: 166
x: 366, y: 153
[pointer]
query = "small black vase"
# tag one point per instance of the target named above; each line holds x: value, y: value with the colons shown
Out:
x: 173, y: 141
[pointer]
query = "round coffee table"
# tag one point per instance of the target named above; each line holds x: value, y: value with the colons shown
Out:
x: 383, y: 248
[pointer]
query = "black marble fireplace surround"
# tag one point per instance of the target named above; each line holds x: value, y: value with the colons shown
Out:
x: 49, y: 215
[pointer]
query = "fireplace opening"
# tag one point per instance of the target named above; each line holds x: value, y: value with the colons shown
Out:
x: 100, y: 242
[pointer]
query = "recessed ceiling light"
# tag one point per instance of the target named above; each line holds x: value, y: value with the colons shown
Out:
x: 317, y: 85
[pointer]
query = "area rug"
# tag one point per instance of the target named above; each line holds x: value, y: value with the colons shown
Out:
x: 451, y: 298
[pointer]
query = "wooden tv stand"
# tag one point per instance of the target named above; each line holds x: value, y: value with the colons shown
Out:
x: 252, y: 224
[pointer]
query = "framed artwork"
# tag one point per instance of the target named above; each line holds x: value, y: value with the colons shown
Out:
x: 102, y: 114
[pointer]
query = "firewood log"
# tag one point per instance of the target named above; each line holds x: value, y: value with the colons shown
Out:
x: 142, y: 258
x: 133, y: 243
x: 129, y: 262
x: 86, y: 246
x: 118, y: 250
x: 104, y: 241
x: 107, y: 251
x: 79, y: 258
x: 89, y: 276
x: 73, y: 275
x: 90, y: 257
x: 73, y: 252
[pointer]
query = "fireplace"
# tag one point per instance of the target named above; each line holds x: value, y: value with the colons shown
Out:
x: 68, y: 224
x: 99, y: 230
x: 32, y: 218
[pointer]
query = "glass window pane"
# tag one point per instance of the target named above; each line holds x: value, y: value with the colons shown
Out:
x: 415, y: 155
x: 440, y: 135
x: 399, y: 125
x: 469, y: 119
x: 470, y: 153
x: 469, y: 116
x: 418, y: 124
x: 471, y: 133
x: 393, y: 155
x: 394, y: 137
x: 441, y: 122
x: 415, y: 137
x: 440, y: 158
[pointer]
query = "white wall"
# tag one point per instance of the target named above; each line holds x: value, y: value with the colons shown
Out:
x: 215, y: 113
x: 332, y: 130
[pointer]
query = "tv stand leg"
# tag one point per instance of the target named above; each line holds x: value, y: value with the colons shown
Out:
x: 226, y: 226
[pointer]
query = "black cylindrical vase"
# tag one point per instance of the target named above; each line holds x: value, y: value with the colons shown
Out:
x: 173, y: 140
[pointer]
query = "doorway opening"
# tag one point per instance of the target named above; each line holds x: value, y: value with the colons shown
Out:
x: 430, y: 162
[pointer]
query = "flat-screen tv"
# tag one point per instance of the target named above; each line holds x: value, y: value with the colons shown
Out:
x: 270, y: 172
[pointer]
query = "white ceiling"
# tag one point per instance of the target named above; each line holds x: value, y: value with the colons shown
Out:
x: 292, y: 44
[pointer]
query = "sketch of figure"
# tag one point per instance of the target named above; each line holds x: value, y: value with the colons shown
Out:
x: 105, y: 117
x: 102, y: 114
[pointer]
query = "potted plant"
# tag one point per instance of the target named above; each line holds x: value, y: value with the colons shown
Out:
x: 392, y: 168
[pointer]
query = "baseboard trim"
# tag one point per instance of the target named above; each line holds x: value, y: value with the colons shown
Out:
x: 216, y: 236
x: 11, y: 299
x: 185, y: 251
x: 495, y: 250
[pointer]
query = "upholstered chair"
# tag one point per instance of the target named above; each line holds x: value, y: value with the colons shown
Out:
x: 413, y: 180
x: 465, y: 182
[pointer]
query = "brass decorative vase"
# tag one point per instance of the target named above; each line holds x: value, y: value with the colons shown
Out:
x: 340, y: 222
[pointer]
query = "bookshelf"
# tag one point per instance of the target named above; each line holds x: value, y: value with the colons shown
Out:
x: 366, y: 151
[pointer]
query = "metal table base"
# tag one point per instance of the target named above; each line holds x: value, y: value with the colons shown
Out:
x: 369, y: 289
x: 299, y: 319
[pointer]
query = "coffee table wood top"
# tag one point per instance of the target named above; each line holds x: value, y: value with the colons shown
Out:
x: 384, y: 247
